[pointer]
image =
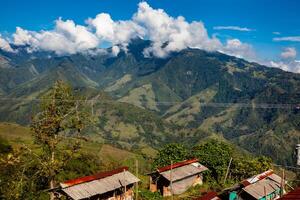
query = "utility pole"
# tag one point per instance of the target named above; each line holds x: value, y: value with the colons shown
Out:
x: 124, y: 183
x: 227, y: 172
x: 171, y: 181
x: 282, y: 183
x: 137, y: 175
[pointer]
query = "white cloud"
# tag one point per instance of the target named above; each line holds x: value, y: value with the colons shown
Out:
x: 168, y: 34
x: 172, y: 34
x: 233, y: 28
x: 66, y: 38
x: 288, y: 62
x: 4, y: 45
x: 292, y: 66
x: 276, y: 33
x: 236, y: 48
x: 288, y: 39
x: 115, y: 32
x: 289, y: 53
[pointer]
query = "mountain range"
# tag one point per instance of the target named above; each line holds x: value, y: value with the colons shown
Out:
x: 144, y: 102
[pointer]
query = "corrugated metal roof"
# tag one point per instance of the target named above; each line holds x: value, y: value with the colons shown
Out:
x: 184, y: 171
x: 100, y: 186
x: 262, y: 188
x: 256, y: 178
x: 92, y: 177
x: 176, y: 165
x: 293, y: 195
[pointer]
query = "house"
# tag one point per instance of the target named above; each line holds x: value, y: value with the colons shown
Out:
x: 293, y: 195
x: 111, y: 185
x: 176, y: 178
x: 264, y: 186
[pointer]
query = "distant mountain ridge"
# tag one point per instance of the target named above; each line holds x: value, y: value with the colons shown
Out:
x: 191, y: 93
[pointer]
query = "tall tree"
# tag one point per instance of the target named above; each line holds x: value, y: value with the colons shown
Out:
x: 170, y: 153
x: 61, y: 114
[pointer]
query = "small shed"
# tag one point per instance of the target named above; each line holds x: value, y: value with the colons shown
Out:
x: 177, y: 178
x: 266, y: 185
x: 111, y: 185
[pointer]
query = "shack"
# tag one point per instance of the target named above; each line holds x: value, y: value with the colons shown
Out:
x: 266, y: 185
x: 111, y: 185
x: 176, y: 178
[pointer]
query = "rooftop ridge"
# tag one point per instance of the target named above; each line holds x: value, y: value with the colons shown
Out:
x: 97, y: 176
x: 176, y: 165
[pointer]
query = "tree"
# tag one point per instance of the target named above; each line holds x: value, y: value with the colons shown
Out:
x: 171, y: 152
x: 62, y: 114
x: 215, y: 155
x: 246, y: 167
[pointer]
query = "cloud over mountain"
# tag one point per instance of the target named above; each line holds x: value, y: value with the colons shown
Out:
x: 288, y: 60
x: 168, y: 34
x: 4, y: 45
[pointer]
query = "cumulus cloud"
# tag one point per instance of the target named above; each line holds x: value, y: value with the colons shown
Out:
x: 66, y: 38
x: 292, y: 66
x: 287, y: 39
x: 115, y: 32
x: 287, y: 62
x: 276, y: 33
x: 289, y: 53
x: 4, y: 45
x: 233, y: 28
x: 241, y: 50
x: 168, y: 34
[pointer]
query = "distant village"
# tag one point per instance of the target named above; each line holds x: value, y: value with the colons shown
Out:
x: 172, y: 180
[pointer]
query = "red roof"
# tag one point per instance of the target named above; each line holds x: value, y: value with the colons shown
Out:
x: 256, y: 178
x: 293, y: 195
x: 93, y: 177
x: 209, y: 196
x: 176, y: 165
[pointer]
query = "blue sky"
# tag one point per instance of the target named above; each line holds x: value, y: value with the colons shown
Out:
x: 263, y: 17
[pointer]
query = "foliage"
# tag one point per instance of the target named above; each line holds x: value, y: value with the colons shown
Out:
x: 61, y: 115
x: 4, y: 146
x: 23, y: 177
x: 147, y: 195
x: 215, y: 155
x: 243, y: 168
x: 170, y: 153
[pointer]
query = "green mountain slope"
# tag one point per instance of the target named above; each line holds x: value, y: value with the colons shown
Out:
x: 185, y: 97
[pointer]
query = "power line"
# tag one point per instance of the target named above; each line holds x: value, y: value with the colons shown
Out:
x: 166, y: 103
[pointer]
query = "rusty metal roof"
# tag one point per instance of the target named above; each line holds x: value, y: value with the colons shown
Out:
x: 176, y: 165
x: 209, y: 196
x: 256, y: 178
x: 184, y: 171
x: 293, y: 195
x: 92, y: 177
x: 98, y: 184
x: 264, y: 187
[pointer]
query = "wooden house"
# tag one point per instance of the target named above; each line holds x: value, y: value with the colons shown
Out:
x: 264, y: 186
x: 111, y: 185
x: 176, y: 178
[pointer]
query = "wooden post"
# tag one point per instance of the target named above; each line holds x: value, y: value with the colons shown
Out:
x: 171, y: 182
x: 265, y: 192
x: 137, y: 175
x: 282, y: 183
x: 124, y: 183
x: 227, y: 170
